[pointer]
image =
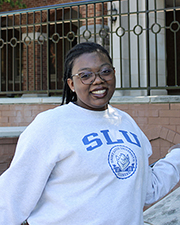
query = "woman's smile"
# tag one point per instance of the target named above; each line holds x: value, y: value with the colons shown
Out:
x: 99, y: 93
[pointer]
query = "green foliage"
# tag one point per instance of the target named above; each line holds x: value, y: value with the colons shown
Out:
x: 13, y: 3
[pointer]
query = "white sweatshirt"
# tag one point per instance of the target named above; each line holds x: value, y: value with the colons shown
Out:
x: 77, y: 166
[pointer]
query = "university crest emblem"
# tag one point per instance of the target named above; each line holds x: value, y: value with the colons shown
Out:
x: 122, y: 161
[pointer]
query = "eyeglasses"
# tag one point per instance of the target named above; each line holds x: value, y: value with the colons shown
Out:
x: 89, y: 77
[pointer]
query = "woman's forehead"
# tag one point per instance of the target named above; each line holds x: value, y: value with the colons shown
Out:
x: 91, y: 60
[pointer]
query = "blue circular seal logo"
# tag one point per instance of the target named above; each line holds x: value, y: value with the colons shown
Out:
x: 122, y: 161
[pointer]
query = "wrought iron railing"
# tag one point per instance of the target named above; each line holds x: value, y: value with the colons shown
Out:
x: 142, y: 37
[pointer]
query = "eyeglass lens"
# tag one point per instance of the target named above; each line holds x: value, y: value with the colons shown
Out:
x: 89, y: 77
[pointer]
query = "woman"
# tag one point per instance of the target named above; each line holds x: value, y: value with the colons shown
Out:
x: 84, y: 162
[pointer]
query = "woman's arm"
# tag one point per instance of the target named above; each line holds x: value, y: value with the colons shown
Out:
x: 164, y: 175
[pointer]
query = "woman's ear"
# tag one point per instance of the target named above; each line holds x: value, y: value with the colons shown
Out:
x: 114, y: 70
x: 71, y: 84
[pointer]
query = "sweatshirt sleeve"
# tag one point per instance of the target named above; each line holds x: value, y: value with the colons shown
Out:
x: 22, y: 184
x: 163, y: 176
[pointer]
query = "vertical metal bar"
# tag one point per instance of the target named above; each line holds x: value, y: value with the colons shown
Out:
x: 34, y: 54
x: 55, y: 24
x: 156, y: 45
x: 86, y: 18
x: 138, y: 46
x: 147, y: 48
x: 129, y: 44
x: 175, y: 49
x: 27, y: 55
x: 70, y: 23
x: 165, y: 40
x: 13, y: 58
x: 120, y: 44
x: 41, y: 54
x: 20, y: 53
x: 111, y: 31
x: 102, y: 7
x: 48, y: 53
x: 94, y: 22
x: 0, y: 58
x: 78, y: 24
x: 63, y: 41
x: 7, y: 55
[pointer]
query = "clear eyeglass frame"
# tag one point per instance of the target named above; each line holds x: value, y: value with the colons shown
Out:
x: 108, y: 77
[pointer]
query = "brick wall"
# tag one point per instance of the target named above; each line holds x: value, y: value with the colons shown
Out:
x: 35, y: 3
x: 160, y: 123
x: 7, y: 148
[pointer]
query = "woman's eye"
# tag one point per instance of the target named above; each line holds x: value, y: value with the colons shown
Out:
x: 85, y: 75
x: 106, y: 71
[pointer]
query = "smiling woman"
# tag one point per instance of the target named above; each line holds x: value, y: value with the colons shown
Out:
x: 93, y: 92
x: 84, y: 162
x: 75, y: 55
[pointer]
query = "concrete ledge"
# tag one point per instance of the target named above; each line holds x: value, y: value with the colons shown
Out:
x: 31, y: 100
x: 145, y: 99
x: 166, y: 211
x: 11, y: 132
x: 114, y: 100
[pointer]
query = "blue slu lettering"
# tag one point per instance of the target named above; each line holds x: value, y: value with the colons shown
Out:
x: 126, y: 135
x: 108, y: 139
x: 95, y: 143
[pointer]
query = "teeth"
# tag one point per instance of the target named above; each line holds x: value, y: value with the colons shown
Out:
x: 99, y: 91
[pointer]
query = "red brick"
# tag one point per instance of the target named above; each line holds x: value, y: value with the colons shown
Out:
x: 27, y: 113
x: 9, y: 113
x: 175, y: 106
x: 164, y: 150
x: 121, y: 106
x: 3, y: 167
x: 5, y: 158
x: 159, y: 106
x: 175, y: 120
x: 16, y: 107
x: 169, y: 113
x: 163, y: 132
x: 148, y: 112
x: 141, y: 120
x: 158, y: 121
x: 8, y: 140
x: 176, y: 139
x: 154, y: 133
x: 132, y: 113
x: 3, y: 120
x: 170, y: 136
x: 139, y: 106
x: 178, y: 128
x: 4, y: 107
x: 156, y: 153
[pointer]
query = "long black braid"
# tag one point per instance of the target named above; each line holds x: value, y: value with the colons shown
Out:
x: 75, y: 52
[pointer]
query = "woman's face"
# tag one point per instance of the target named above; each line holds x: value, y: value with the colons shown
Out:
x: 93, y: 96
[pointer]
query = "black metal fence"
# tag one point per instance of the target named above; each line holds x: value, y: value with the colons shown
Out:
x: 142, y: 37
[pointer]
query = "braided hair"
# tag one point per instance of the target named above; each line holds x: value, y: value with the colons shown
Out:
x: 75, y: 52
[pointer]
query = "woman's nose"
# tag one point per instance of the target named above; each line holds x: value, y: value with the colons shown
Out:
x: 98, y: 79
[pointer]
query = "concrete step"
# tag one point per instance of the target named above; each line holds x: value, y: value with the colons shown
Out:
x: 164, y: 212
